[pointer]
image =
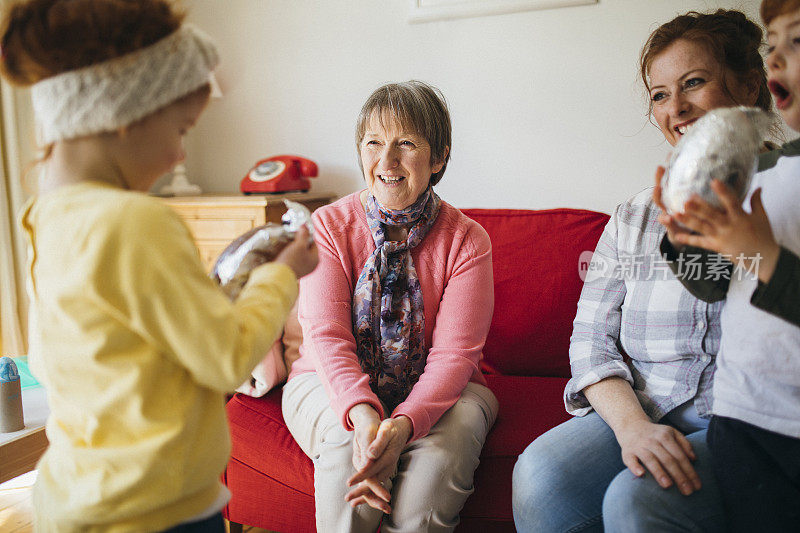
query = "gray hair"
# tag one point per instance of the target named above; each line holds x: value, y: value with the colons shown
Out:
x: 418, y: 107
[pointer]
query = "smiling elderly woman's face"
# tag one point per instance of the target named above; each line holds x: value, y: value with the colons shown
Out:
x: 396, y: 162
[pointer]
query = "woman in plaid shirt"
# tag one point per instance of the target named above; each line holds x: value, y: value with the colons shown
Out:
x: 642, y: 349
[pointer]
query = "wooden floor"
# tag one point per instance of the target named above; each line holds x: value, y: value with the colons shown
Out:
x: 16, y: 508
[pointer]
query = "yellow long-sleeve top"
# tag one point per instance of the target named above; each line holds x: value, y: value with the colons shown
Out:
x: 136, y: 347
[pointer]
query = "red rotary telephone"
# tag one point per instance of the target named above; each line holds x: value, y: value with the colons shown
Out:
x: 282, y: 173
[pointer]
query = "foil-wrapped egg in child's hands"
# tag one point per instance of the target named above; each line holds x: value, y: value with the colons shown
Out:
x: 723, y: 145
x: 260, y: 245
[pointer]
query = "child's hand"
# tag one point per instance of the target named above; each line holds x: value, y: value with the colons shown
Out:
x: 300, y: 255
x: 668, y: 221
x: 731, y: 231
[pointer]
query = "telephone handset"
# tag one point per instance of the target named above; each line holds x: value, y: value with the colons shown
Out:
x: 282, y: 173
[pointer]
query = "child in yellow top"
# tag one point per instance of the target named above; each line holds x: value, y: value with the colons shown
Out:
x: 134, y: 343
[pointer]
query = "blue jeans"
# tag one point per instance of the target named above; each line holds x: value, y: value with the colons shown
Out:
x: 572, y: 479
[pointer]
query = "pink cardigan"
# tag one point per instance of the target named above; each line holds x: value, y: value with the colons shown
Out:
x: 454, y: 265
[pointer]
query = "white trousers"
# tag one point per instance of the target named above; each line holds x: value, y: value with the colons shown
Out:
x: 434, y: 473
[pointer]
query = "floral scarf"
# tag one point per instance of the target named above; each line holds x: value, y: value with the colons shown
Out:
x: 388, y: 317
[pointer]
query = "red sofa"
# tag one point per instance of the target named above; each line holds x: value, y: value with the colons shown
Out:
x: 525, y: 360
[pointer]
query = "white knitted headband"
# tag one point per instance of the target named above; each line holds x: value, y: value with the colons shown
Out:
x: 115, y: 93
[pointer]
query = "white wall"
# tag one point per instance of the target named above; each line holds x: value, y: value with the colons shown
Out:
x: 546, y: 105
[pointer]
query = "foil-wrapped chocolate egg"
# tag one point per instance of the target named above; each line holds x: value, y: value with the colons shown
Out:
x: 723, y: 144
x: 258, y: 246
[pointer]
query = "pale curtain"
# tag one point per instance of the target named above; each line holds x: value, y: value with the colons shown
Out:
x: 16, y: 151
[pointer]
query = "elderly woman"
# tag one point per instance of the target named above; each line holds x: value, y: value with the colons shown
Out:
x: 387, y: 398
x: 648, y: 414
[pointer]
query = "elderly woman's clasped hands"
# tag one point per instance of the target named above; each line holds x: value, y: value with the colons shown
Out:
x: 376, y: 449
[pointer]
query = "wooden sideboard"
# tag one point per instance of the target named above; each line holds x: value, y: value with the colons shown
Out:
x: 215, y: 220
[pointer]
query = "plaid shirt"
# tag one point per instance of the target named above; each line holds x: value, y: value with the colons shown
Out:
x: 633, y: 305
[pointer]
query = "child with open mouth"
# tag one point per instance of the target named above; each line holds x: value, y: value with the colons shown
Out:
x: 754, y: 434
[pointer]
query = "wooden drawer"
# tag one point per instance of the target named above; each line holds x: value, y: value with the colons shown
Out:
x: 216, y: 220
x: 210, y: 251
x: 218, y: 228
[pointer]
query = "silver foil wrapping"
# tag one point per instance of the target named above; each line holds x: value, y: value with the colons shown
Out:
x: 723, y: 144
x: 258, y: 246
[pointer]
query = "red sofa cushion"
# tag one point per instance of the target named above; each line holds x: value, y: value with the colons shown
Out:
x: 529, y: 406
x: 536, y: 285
x: 272, y: 480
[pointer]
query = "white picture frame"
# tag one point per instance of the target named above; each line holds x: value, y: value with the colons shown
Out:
x: 430, y: 10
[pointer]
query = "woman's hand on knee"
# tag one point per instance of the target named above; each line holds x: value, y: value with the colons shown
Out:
x: 663, y: 451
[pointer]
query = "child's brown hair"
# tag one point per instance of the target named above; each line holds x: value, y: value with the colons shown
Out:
x: 775, y: 8
x: 43, y: 38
